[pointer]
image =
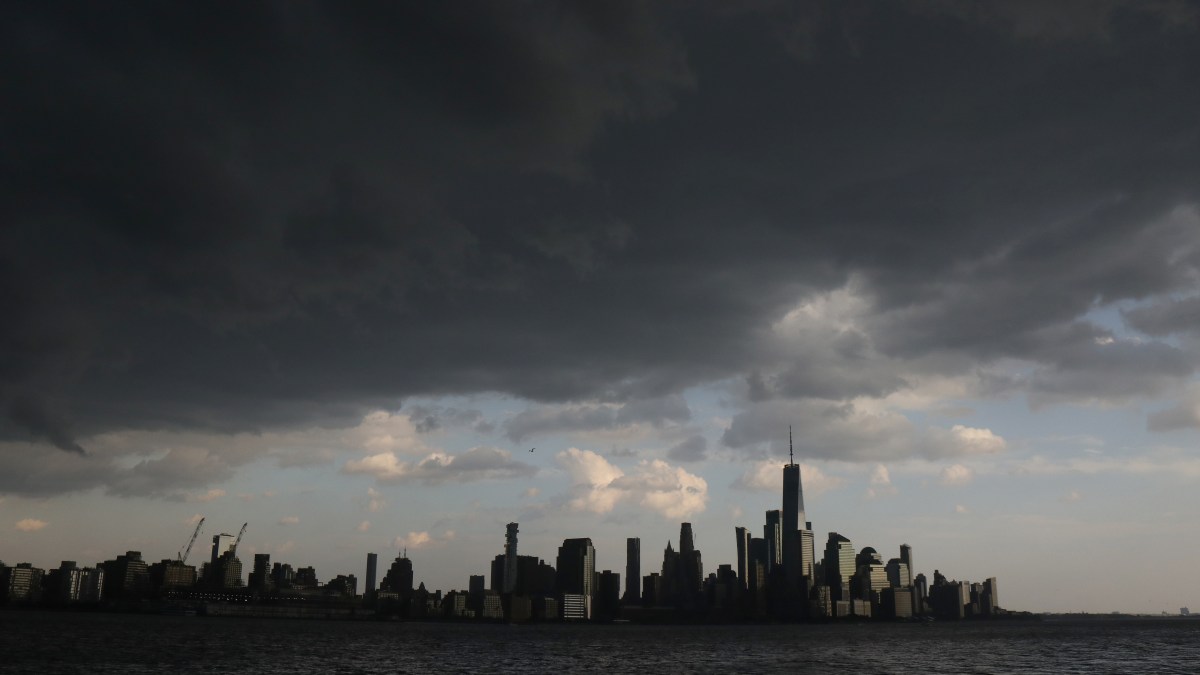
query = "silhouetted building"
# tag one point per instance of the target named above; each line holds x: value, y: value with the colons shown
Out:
x: 743, y: 553
x: 21, y: 584
x: 305, y: 579
x: 691, y: 567
x: 792, y: 520
x: 608, y: 595
x: 510, y: 559
x: 125, y: 577
x: 342, y: 584
x: 372, y: 566
x: 171, y: 574
x: 773, y: 534
x: 282, y: 575
x: 260, y: 576
x: 576, y: 567
x: 633, y: 568
x: 399, y: 578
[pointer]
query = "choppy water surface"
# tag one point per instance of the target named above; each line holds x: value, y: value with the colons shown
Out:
x: 41, y: 642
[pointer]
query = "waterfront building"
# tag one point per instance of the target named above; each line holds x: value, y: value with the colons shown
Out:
x: 576, y: 607
x: 169, y: 574
x: 21, y: 584
x: 127, y: 576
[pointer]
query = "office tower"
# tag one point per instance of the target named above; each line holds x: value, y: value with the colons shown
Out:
x: 260, y: 576
x: 220, y: 544
x: 510, y: 558
x: 686, y: 543
x: 898, y: 574
x: 838, y: 564
x: 791, y: 514
x: 372, y: 566
x: 576, y: 570
x: 773, y: 534
x: 691, y: 568
x: 990, y: 597
x: 870, y: 575
x: 906, y: 557
x: 743, y: 554
x: 808, y: 554
x: 475, y: 585
x: 633, y: 568
x: 608, y: 594
x: 399, y: 577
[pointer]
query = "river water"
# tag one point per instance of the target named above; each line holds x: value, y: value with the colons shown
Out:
x: 48, y: 642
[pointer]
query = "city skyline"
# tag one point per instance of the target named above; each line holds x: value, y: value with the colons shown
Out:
x: 379, y: 277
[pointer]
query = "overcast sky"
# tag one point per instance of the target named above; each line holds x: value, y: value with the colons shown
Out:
x: 334, y: 269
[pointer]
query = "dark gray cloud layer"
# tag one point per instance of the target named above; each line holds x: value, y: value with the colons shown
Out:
x: 239, y: 217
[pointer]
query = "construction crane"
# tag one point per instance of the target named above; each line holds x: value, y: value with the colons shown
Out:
x: 187, y: 551
x: 233, y: 549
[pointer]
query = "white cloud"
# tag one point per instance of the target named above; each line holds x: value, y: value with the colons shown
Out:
x: 364, y: 526
x: 957, y: 475
x: 530, y: 493
x: 479, y: 463
x: 289, y: 520
x: 423, y: 539
x: 31, y: 524
x: 598, y: 485
x: 881, y: 483
x: 767, y: 476
x: 375, y: 501
x: 880, y: 475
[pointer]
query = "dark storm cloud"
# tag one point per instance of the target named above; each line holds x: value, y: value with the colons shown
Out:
x: 255, y: 216
x: 1165, y: 318
x: 544, y: 420
x: 691, y: 449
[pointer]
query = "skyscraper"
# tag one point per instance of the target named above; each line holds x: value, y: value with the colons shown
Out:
x: 773, y: 534
x: 743, y: 554
x: 906, y: 557
x: 838, y: 564
x: 692, y: 569
x: 372, y: 567
x: 791, y: 514
x: 576, y: 570
x: 220, y: 544
x: 633, y: 569
x: 510, y: 558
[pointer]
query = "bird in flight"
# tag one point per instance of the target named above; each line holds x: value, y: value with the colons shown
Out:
x: 532, y: 449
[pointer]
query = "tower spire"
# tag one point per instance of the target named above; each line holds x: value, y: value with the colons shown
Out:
x: 791, y: 460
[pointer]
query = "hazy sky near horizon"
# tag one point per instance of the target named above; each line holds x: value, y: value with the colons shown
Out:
x: 333, y: 269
